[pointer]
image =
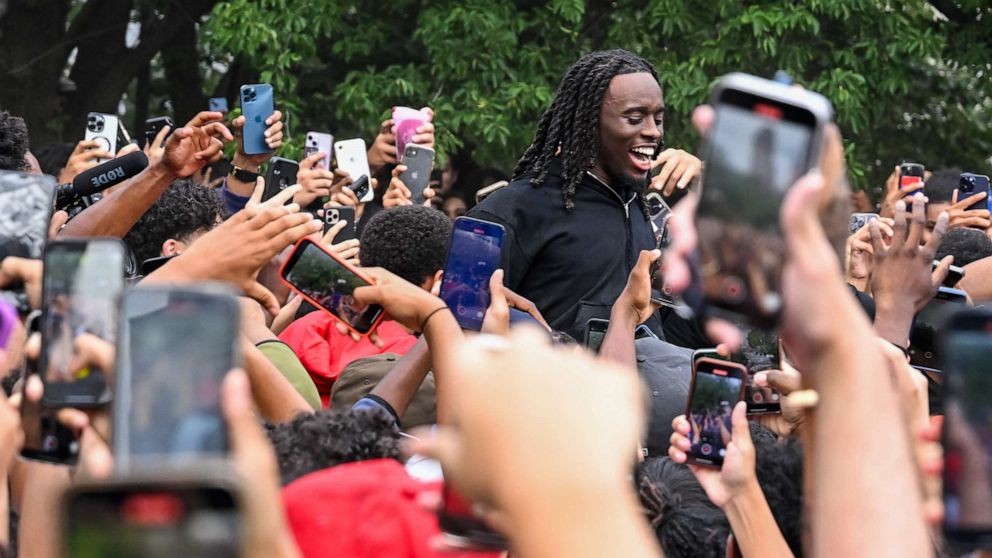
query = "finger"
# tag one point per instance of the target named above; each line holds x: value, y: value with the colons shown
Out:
x: 309, y: 162
x: 954, y: 198
x: 217, y: 128
x: 246, y: 435
x: 209, y: 153
x: 783, y: 382
x: 919, y: 223
x: 799, y: 217
x: 741, y: 430
x: 84, y: 145
x: 208, y: 116
x: 256, y: 194
x: 875, y: 231
x: 274, y: 120
x: 332, y: 233
x: 940, y: 272
x: 702, y: 118
x: 59, y: 219
x: 683, y: 230
x: 282, y: 197
x: 398, y: 170
x: 264, y: 297
x: 660, y: 182
x: 160, y: 137
x: 497, y: 319
x: 676, y: 177
x: 34, y: 388
x: 375, y: 339
x: 724, y: 333
x: 939, y: 232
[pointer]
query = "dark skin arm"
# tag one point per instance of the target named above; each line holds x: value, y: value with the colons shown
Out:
x: 632, y: 307
x: 187, y: 151
x: 402, y: 382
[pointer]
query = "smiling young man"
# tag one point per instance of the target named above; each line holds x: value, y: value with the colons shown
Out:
x: 575, y: 214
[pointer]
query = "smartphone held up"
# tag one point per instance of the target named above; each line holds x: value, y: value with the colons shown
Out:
x: 765, y: 136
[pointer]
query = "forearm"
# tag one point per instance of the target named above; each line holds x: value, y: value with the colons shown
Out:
x: 276, y: 398
x: 115, y: 214
x: 444, y: 336
x: 618, y: 345
x: 858, y: 477
x: 893, y: 320
x: 754, y: 527
x: 399, y: 386
x: 38, y: 536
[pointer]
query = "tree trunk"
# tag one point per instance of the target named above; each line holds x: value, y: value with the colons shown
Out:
x: 31, y: 61
x: 182, y: 73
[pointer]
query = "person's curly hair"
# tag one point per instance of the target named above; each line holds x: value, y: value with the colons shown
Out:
x: 779, y: 467
x: 315, y: 441
x: 410, y: 241
x: 14, y: 143
x: 569, y: 129
x: 185, y: 209
x: 684, y: 520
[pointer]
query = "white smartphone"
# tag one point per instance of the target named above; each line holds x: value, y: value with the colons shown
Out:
x: 102, y: 128
x: 322, y: 142
x: 351, y: 156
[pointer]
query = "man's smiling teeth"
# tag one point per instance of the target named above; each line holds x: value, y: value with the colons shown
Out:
x: 645, y: 151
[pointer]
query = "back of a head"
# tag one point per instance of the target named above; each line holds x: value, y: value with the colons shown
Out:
x: 966, y: 245
x: 182, y: 210
x: 53, y: 156
x: 779, y: 467
x: 939, y: 188
x: 683, y: 518
x: 410, y: 241
x: 315, y: 441
x: 14, y: 143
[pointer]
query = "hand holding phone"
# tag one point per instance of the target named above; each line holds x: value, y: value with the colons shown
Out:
x: 103, y: 129
x: 257, y: 106
x: 320, y: 142
x: 473, y: 256
x: 971, y: 184
x: 419, y: 161
x: 911, y: 178
x: 333, y: 216
x: 329, y: 283
x: 352, y: 157
x: 281, y: 175
x: 717, y: 386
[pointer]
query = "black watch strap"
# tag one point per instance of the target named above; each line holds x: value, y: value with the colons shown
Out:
x: 242, y: 175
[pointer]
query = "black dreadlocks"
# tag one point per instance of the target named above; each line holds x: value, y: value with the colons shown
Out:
x: 571, y: 123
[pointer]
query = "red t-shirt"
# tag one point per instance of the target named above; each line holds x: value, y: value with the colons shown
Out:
x: 325, y: 352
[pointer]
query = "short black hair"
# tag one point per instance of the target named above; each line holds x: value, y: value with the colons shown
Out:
x: 14, y: 143
x: 184, y: 209
x: 315, y: 441
x: 52, y: 157
x: 779, y: 467
x: 685, y: 521
x: 410, y: 241
x: 569, y: 129
x: 966, y: 245
x: 939, y: 188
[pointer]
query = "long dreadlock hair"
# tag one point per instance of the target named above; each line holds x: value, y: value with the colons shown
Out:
x: 571, y: 123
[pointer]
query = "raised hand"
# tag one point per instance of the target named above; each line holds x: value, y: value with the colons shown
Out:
x: 961, y: 214
x: 678, y: 170
x: 273, y: 140
x: 194, y: 145
x: 316, y: 181
x: 85, y: 156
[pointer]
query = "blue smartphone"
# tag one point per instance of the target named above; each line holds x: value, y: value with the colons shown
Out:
x: 256, y: 105
x: 472, y: 258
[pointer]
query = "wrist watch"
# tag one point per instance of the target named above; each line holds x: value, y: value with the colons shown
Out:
x: 243, y: 175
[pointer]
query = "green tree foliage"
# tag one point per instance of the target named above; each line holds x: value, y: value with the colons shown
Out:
x: 908, y: 79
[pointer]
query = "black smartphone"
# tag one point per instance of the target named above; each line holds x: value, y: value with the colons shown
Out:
x: 660, y: 213
x: 329, y: 284
x: 361, y: 187
x: 25, y: 211
x: 660, y: 293
x: 482, y: 194
x: 967, y: 430
x: 473, y: 256
x: 909, y: 174
x: 765, y: 136
x: 924, y: 349
x: 45, y: 438
x: 970, y: 184
x: 596, y: 333
x: 151, y: 264
x: 419, y: 161
x: 83, y: 280
x: 176, y: 344
x: 462, y: 528
x: 334, y: 215
x: 154, y: 125
x: 165, y: 515
x: 717, y: 385
x: 935, y: 381
x: 954, y: 274
x: 281, y: 175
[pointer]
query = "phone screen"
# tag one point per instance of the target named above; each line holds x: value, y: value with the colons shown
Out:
x: 924, y: 349
x: 175, y: 348
x: 716, y: 388
x: 82, y: 283
x: 329, y: 284
x: 759, y: 351
x: 472, y: 258
x: 967, y: 434
x: 757, y: 149
x: 596, y: 334
x: 163, y: 522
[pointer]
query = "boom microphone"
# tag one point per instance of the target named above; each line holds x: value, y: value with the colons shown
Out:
x: 100, y: 177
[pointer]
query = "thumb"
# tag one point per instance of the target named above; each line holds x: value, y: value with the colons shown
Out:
x: 309, y: 162
x: 741, y: 434
x: 799, y: 218
x: 264, y: 297
x: 256, y: 194
x: 183, y: 133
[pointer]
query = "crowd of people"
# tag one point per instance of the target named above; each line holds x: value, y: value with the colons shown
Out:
x: 344, y: 444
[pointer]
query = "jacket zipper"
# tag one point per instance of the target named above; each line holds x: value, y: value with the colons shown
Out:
x: 626, y: 213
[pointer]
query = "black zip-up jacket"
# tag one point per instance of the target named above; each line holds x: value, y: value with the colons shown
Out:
x: 573, y: 266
